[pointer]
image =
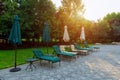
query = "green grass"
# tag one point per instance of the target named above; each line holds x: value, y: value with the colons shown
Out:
x: 7, y: 56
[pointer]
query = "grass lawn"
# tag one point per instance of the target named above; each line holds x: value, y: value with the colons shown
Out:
x: 7, y: 56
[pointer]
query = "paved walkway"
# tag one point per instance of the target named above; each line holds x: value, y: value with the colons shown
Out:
x: 100, y: 65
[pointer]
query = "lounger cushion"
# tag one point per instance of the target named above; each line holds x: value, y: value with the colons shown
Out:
x: 68, y: 53
x: 50, y: 58
x: 58, y: 51
x: 40, y: 55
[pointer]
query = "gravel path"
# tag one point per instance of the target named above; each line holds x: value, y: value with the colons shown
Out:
x: 99, y: 65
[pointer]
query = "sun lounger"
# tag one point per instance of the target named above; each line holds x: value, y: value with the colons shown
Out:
x: 63, y: 53
x: 39, y: 54
x: 79, y: 52
x: 94, y: 47
x: 78, y: 47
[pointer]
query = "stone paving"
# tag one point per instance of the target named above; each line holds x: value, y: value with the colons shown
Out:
x: 98, y: 65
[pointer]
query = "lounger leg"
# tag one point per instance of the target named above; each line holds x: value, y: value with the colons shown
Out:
x: 40, y: 62
x: 27, y: 67
x: 52, y: 65
x: 33, y: 65
x: 30, y: 66
x: 59, y: 64
x: 49, y: 64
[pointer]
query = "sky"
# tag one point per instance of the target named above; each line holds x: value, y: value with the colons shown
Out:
x: 97, y: 9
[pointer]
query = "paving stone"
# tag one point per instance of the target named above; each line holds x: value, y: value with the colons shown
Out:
x: 99, y: 65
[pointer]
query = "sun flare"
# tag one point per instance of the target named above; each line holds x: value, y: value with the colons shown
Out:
x: 94, y: 9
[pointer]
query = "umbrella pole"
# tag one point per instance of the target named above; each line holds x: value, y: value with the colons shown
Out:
x: 15, y: 55
x: 15, y: 69
x: 47, y: 48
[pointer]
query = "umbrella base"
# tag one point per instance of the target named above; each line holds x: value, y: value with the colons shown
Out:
x: 15, y: 69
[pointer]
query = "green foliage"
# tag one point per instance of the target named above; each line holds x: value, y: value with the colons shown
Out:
x: 6, y: 17
x: 24, y: 9
x: 27, y: 18
x: 69, y: 14
x: 34, y: 13
x: 44, y: 11
x: 105, y: 30
x: 100, y: 31
x: 113, y: 20
x: 1, y: 7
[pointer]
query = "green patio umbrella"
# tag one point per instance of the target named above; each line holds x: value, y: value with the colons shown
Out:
x: 15, y: 39
x: 46, y: 34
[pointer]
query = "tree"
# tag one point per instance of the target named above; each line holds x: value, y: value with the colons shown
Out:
x: 27, y: 15
x: 101, y: 31
x: 70, y: 14
x: 23, y: 9
x: 44, y: 11
x: 71, y: 9
x: 113, y: 20
x: 7, y: 15
x: 1, y: 7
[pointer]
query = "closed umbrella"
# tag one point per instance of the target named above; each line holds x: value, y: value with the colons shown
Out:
x: 46, y: 34
x: 82, y: 36
x: 15, y: 39
x: 66, y: 37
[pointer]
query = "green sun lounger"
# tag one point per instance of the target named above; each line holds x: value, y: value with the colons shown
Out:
x: 39, y: 54
x: 59, y: 52
x: 87, y: 46
x: 77, y: 46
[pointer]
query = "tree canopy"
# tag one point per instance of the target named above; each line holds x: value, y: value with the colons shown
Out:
x: 70, y: 14
x: 34, y: 13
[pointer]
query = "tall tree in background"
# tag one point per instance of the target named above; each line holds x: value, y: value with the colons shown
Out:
x: 32, y: 13
x: 7, y: 16
x: 27, y: 15
x: 24, y: 9
x: 100, y: 31
x: 70, y: 14
x: 44, y: 11
x: 113, y: 19
x: 1, y: 7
